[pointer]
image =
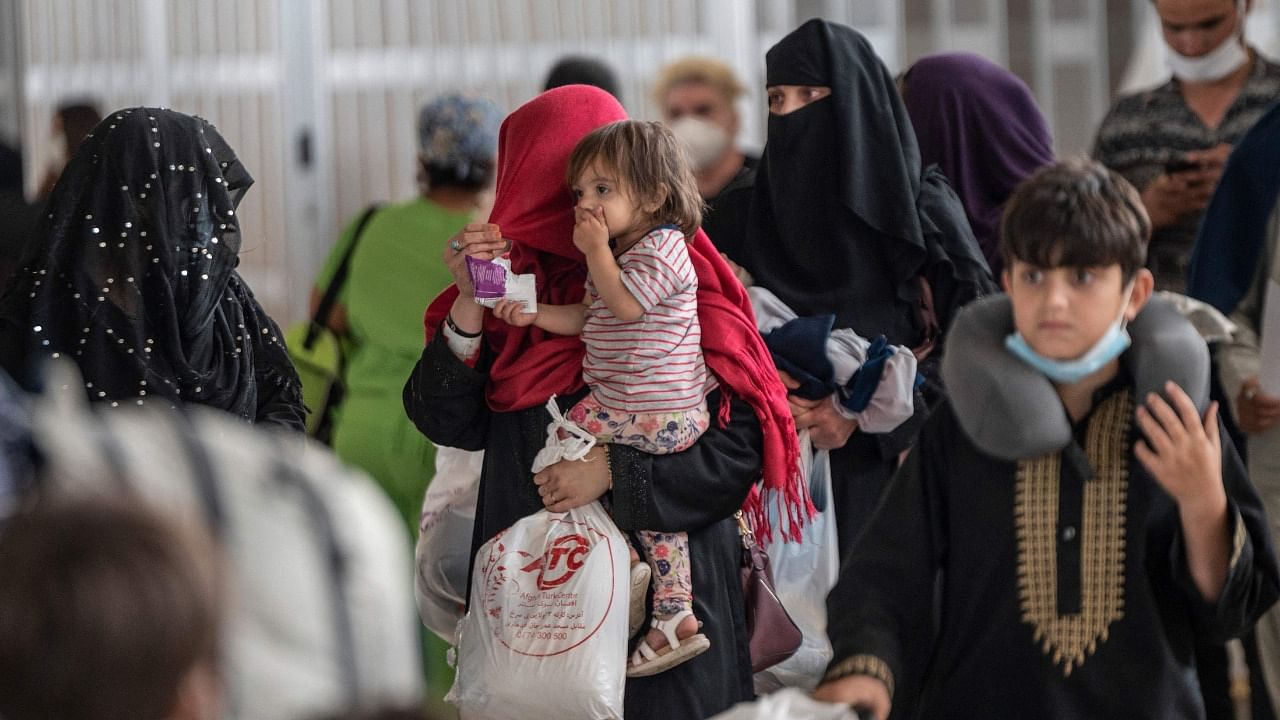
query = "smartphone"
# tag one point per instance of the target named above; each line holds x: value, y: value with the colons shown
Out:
x: 1180, y: 164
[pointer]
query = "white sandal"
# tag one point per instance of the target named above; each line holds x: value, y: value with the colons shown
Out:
x: 640, y: 576
x: 573, y: 446
x: 645, y: 661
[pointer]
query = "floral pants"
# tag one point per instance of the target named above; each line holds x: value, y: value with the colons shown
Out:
x: 659, y: 434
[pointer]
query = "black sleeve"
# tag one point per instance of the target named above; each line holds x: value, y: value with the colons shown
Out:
x: 1253, y: 579
x: 444, y: 398
x: 686, y: 491
x: 278, y: 386
x: 280, y: 399
x: 886, y: 585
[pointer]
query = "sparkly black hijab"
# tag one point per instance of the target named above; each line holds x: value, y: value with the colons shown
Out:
x: 843, y: 218
x: 133, y: 273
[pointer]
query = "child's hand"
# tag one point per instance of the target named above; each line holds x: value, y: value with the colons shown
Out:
x: 1182, y: 452
x: 590, y: 234
x: 512, y: 312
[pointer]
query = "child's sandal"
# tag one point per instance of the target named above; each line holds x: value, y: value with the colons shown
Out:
x: 646, y: 661
x: 640, y: 575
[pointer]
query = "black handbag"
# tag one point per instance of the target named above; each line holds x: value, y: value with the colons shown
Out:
x: 317, y: 352
x: 772, y: 635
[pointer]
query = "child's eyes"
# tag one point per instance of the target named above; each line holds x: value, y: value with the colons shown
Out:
x: 602, y: 190
x: 1032, y: 277
x: 577, y: 193
x: 1084, y: 277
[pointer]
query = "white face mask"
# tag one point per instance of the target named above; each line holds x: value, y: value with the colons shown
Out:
x: 705, y: 140
x: 1215, y: 64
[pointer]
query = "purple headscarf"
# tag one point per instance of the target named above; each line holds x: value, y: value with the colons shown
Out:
x: 979, y: 123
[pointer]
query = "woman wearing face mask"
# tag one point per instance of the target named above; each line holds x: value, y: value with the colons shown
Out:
x: 697, y: 96
x: 1172, y: 141
x: 844, y: 223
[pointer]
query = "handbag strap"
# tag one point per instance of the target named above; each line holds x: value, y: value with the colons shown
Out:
x: 321, y: 318
x: 744, y: 530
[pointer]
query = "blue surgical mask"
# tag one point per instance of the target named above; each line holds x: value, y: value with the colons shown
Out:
x: 1066, y: 372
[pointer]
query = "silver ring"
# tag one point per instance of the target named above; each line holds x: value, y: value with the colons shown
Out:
x: 457, y: 246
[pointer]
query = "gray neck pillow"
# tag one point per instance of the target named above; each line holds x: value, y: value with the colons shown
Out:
x: 1011, y: 411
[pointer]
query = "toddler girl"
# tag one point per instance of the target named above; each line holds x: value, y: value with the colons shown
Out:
x: 637, y: 201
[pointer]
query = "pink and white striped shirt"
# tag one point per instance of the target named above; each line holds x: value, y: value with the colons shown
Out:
x: 653, y: 364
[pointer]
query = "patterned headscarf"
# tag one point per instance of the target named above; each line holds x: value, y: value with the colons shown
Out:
x: 459, y: 131
x: 134, y: 278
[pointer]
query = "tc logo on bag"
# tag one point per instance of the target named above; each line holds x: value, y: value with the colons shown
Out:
x: 539, y: 603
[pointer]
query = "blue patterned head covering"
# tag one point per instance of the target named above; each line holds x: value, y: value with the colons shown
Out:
x: 459, y: 131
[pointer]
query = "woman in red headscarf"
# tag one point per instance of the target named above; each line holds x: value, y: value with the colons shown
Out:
x: 483, y: 384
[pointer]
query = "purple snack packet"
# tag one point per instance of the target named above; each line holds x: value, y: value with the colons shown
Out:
x: 489, y: 279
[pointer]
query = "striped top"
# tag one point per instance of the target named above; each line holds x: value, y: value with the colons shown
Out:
x: 653, y: 364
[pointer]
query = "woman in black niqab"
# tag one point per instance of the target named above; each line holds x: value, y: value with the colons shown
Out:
x: 132, y: 276
x: 845, y: 222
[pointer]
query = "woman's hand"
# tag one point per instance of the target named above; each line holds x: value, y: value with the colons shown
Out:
x: 1258, y: 411
x: 798, y: 405
x: 739, y: 272
x: 573, y: 483
x: 828, y: 429
x: 862, y: 692
x: 482, y: 241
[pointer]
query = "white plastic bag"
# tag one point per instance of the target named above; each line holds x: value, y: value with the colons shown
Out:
x: 545, y: 637
x: 443, y: 552
x: 803, y: 574
x: 789, y: 704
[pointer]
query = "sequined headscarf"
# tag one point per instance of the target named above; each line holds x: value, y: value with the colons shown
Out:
x: 134, y: 276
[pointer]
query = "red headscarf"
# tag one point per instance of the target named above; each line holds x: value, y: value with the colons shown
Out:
x: 534, y: 209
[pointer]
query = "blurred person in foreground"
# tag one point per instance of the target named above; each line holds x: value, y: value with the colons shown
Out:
x: 107, y: 612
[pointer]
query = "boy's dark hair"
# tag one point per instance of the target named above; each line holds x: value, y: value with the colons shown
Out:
x: 1076, y: 213
x: 646, y: 157
x: 104, y: 610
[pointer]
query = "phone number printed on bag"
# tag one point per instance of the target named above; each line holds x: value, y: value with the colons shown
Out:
x: 532, y: 600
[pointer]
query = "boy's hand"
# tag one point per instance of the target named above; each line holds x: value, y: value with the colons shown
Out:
x: 512, y: 312
x: 1182, y: 452
x: 590, y: 234
x: 861, y: 692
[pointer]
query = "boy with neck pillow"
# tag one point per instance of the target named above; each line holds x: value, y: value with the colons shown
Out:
x: 1088, y: 518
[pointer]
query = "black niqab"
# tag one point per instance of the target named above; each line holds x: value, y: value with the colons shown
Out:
x: 843, y: 219
x: 133, y: 273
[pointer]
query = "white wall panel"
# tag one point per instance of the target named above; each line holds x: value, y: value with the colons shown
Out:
x: 349, y: 76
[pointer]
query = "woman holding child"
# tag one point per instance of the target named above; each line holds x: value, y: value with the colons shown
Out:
x: 483, y: 383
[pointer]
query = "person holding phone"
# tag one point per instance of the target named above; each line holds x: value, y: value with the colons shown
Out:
x: 1172, y: 141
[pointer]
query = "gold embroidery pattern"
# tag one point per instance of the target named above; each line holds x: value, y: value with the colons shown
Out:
x: 1070, y: 639
x: 869, y: 665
